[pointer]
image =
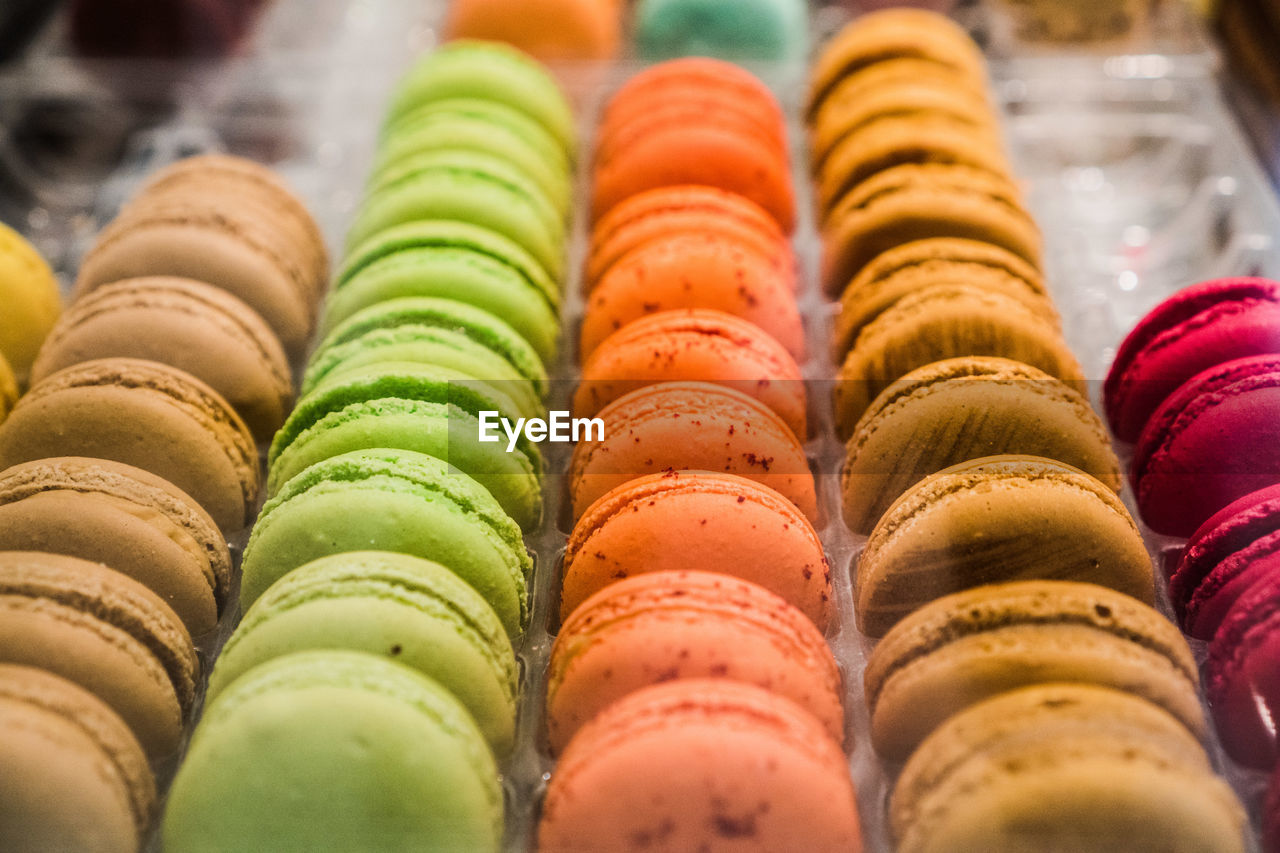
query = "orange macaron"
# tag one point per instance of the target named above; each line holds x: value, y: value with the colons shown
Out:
x: 548, y: 29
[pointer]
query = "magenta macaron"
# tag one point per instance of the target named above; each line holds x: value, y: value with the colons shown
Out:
x: 1195, y: 329
x: 1212, y: 441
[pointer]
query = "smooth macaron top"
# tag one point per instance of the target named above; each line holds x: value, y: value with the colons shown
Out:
x: 32, y: 304
x: 552, y: 30
x: 768, y: 30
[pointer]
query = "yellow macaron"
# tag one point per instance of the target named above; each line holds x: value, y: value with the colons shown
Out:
x: 29, y: 294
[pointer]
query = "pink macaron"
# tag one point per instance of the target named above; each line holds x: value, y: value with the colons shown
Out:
x: 1195, y: 329
x: 1224, y: 558
x: 1211, y: 442
x: 1242, y: 675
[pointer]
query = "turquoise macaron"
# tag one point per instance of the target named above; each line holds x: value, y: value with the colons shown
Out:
x: 476, y: 125
x: 769, y: 30
x: 388, y: 499
x: 410, y: 610
x: 465, y: 186
x: 451, y: 260
x: 335, y: 751
x: 414, y: 407
x: 491, y: 71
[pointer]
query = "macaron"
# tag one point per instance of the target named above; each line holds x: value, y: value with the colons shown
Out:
x: 146, y: 414
x: 691, y: 425
x: 212, y: 228
x: 136, y: 523
x: 913, y: 266
x: 966, y: 408
x: 450, y: 260
x: 105, y: 632
x: 32, y: 303
x: 391, y: 500
x: 335, y: 750
x: 1195, y: 329
x: 486, y: 70
x: 1271, y: 816
x: 1063, y: 767
x: 973, y: 645
x: 718, y: 522
x: 413, y: 611
x: 476, y: 124
x: 1240, y: 675
x: 772, y: 30
x: 187, y: 324
x: 1238, y: 546
x: 72, y: 775
x: 701, y: 764
x: 707, y: 346
x: 890, y: 34
x: 465, y: 186
x: 1211, y: 442
x: 409, y: 407
x: 945, y: 321
x: 667, y: 211
x: 662, y: 626
x: 695, y: 270
x: 552, y: 30
x: 997, y: 519
x: 916, y: 201
x: 8, y: 389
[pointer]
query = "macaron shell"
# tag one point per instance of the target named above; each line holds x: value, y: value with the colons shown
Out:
x: 32, y: 303
x: 708, y: 346
x: 662, y: 522
x: 188, y: 325
x: 663, y: 626
x: 548, y: 29
x: 695, y: 271
x: 619, y: 131
x: 8, y: 389
x: 943, y: 322
x: 691, y: 425
x: 72, y: 776
x: 106, y: 633
x: 997, y: 519
x: 756, y: 30
x: 696, y: 748
x: 1241, y: 678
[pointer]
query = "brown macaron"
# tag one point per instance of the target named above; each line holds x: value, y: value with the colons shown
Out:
x: 916, y: 201
x: 961, y: 409
x: 914, y: 266
x: 146, y: 414
x: 945, y: 321
x: 72, y: 775
x: 186, y: 324
x: 134, y: 522
x: 997, y: 519
x: 976, y: 644
x: 105, y: 632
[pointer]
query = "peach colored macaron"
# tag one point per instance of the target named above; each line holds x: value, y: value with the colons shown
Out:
x: 714, y: 521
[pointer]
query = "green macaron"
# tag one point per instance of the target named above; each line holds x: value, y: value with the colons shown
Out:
x: 335, y: 750
x: 466, y: 186
x: 413, y: 611
x: 477, y: 125
x: 452, y: 260
x: 392, y: 500
x: 489, y: 71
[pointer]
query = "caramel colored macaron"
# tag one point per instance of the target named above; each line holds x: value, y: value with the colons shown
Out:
x: 186, y: 324
x: 146, y: 414
x: 914, y: 266
x: 691, y: 425
x: 717, y: 522
x: 695, y: 270
x: 134, y: 522
x: 977, y: 644
x: 702, y: 346
x: 997, y: 519
x: 105, y: 632
x: 940, y: 322
x: 966, y: 408
x: 917, y: 201
x: 662, y: 626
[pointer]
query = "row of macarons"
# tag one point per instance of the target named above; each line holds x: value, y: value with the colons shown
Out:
x: 1011, y: 594
x: 387, y: 570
